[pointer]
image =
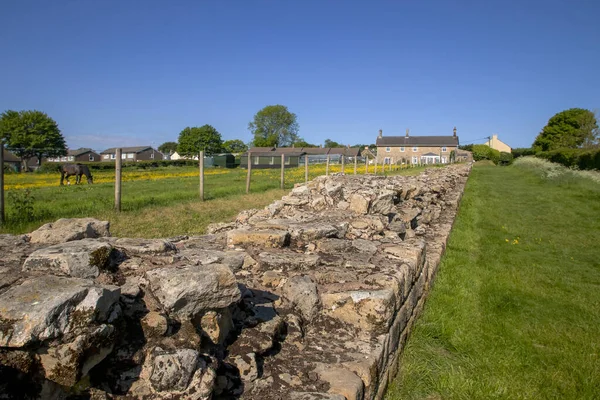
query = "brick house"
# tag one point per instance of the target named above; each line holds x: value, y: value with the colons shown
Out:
x: 139, y: 153
x: 83, y: 154
x: 415, y: 149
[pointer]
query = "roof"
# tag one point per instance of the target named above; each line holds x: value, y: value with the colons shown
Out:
x: 258, y: 149
x: 275, y: 153
x: 431, y: 155
x: 272, y: 151
x: 137, y: 149
x: 78, y: 152
x: 417, y: 141
x: 10, y: 157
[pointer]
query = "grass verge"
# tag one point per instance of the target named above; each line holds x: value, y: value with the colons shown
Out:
x: 515, y: 309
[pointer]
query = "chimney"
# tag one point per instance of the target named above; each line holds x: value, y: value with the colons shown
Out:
x: 407, y: 132
x: 380, y: 134
x: 454, y: 132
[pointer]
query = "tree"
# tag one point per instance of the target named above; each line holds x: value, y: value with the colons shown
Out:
x: 303, y: 143
x: 168, y: 147
x: 31, y: 133
x: 371, y: 146
x: 331, y: 143
x: 234, y: 146
x: 274, y: 126
x: 193, y: 140
x: 570, y: 128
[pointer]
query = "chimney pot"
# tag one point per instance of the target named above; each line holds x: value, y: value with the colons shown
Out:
x: 454, y: 132
x: 407, y: 130
x: 381, y: 133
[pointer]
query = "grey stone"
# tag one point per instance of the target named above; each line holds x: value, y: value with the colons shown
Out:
x: 301, y: 291
x: 80, y: 259
x: 189, y: 290
x: 172, y: 370
x: 42, y: 308
x: 144, y: 246
x: 69, y: 229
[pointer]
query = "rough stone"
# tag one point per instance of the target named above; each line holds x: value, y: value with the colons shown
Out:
x: 301, y: 291
x: 264, y: 238
x: 144, y: 246
x: 80, y: 259
x: 172, y: 370
x: 69, y: 229
x: 189, y: 290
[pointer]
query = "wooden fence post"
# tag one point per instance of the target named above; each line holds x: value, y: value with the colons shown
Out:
x: 2, y: 220
x: 282, y: 170
x: 375, y: 173
x: 118, y: 162
x: 355, y: 164
x: 343, y: 163
x: 249, y: 172
x: 201, y: 167
x: 366, y: 165
x: 327, y: 166
x: 306, y: 168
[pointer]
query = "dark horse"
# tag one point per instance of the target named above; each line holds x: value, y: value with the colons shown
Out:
x: 68, y: 170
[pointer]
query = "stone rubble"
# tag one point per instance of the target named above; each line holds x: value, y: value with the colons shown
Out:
x: 312, y: 297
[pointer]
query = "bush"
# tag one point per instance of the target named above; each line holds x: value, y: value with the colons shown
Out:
x: 574, y: 158
x: 522, y: 152
x: 505, y: 158
x: 485, y: 152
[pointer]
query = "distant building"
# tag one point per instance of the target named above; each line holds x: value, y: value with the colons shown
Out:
x: 140, y: 153
x: 497, y: 144
x: 11, y: 161
x: 270, y: 157
x: 83, y: 154
x: 415, y: 149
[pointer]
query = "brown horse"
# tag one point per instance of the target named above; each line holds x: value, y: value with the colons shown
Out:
x: 68, y: 170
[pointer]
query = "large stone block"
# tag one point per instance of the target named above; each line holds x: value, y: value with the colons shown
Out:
x: 264, y: 238
x: 69, y: 229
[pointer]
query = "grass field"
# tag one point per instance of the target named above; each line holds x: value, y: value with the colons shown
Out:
x: 155, y: 203
x: 515, y: 309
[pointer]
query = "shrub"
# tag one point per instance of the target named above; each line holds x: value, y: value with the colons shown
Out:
x: 485, y: 152
x: 505, y: 158
x: 585, y: 159
x: 522, y: 152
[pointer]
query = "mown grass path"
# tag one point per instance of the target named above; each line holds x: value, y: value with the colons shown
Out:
x: 515, y: 309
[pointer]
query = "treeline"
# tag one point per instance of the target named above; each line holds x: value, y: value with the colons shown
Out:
x: 574, y: 158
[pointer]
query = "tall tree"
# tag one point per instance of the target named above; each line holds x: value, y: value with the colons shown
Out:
x: 274, y: 126
x: 193, y: 140
x: 570, y: 128
x: 234, y: 146
x: 168, y: 147
x: 31, y: 133
x: 331, y: 143
x: 303, y: 143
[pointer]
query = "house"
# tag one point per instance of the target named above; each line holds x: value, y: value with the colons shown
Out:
x: 140, y: 153
x: 497, y: 144
x: 83, y: 154
x: 415, y: 149
x: 11, y: 161
x: 463, y: 156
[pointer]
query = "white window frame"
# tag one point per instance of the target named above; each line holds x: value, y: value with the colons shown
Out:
x: 113, y: 156
x: 444, y: 150
x: 91, y: 157
x: 415, y: 149
x: 129, y: 155
x: 152, y: 155
x: 288, y: 160
x: 106, y: 156
x: 402, y: 149
x: 272, y: 161
x: 388, y: 149
x: 256, y: 160
x: 386, y: 160
x: 415, y: 160
x: 123, y: 156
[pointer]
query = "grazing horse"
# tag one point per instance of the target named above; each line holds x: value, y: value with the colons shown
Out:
x: 68, y: 170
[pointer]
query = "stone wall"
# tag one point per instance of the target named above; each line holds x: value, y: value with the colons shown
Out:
x: 312, y: 297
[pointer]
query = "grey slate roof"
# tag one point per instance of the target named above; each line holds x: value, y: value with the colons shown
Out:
x: 417, y: 141
x: 270, y: 151
x: 137, y: 149
x: 10, y: 157
x: 78, y: 152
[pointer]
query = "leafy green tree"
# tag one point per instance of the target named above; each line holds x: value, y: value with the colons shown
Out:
x: 485, y: 152
x: 331, y: 143
x: 303, y: 143
x: 234, y: 146
x: 168, y: 147
x: 31, y: 133
x: 467, y: 147
x: 371, y: 146
x: 193, y: 140
x: 570, y: 128
x: 274, y: 126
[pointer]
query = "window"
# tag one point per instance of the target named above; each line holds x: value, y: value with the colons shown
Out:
x: 386, y: 160
x: 444, y: 149
x: 444, y: 160
x: 123, y: 156
x: 113, y: 156
x: 152, y: 155
x: 415, y: 149
x: 272, y: 161
x: 106, y: 156
x: 63, y: 159
x: 256, y: 160
x: 91, y: 157
x: 402, y: 149
x: 387, y: 149
x: 415, y: 160
x: 71, y: 158
x: 129, y: 155
x: 287, y: 160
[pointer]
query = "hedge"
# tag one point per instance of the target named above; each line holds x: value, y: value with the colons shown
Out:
x: 485, y: 152
x: 580, y: 158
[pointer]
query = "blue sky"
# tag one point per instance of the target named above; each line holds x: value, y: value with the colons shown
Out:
x: 123, y: 73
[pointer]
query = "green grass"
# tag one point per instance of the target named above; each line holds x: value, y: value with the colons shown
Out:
x: 515, y: 309
x: 152, y: 208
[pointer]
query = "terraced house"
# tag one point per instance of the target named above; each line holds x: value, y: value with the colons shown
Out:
x: 139, y: 153
x: 415, y: 149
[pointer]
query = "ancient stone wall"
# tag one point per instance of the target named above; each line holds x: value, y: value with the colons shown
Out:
x: 312, y: 297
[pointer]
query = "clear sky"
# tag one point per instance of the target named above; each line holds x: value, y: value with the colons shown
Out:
x: 125, y: 73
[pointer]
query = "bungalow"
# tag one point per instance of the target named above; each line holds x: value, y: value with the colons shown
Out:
x: 415, y: 149
x: 11, y: 161
x: 140, y: 153
x: 270, y: 157
x: 83, y: 154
